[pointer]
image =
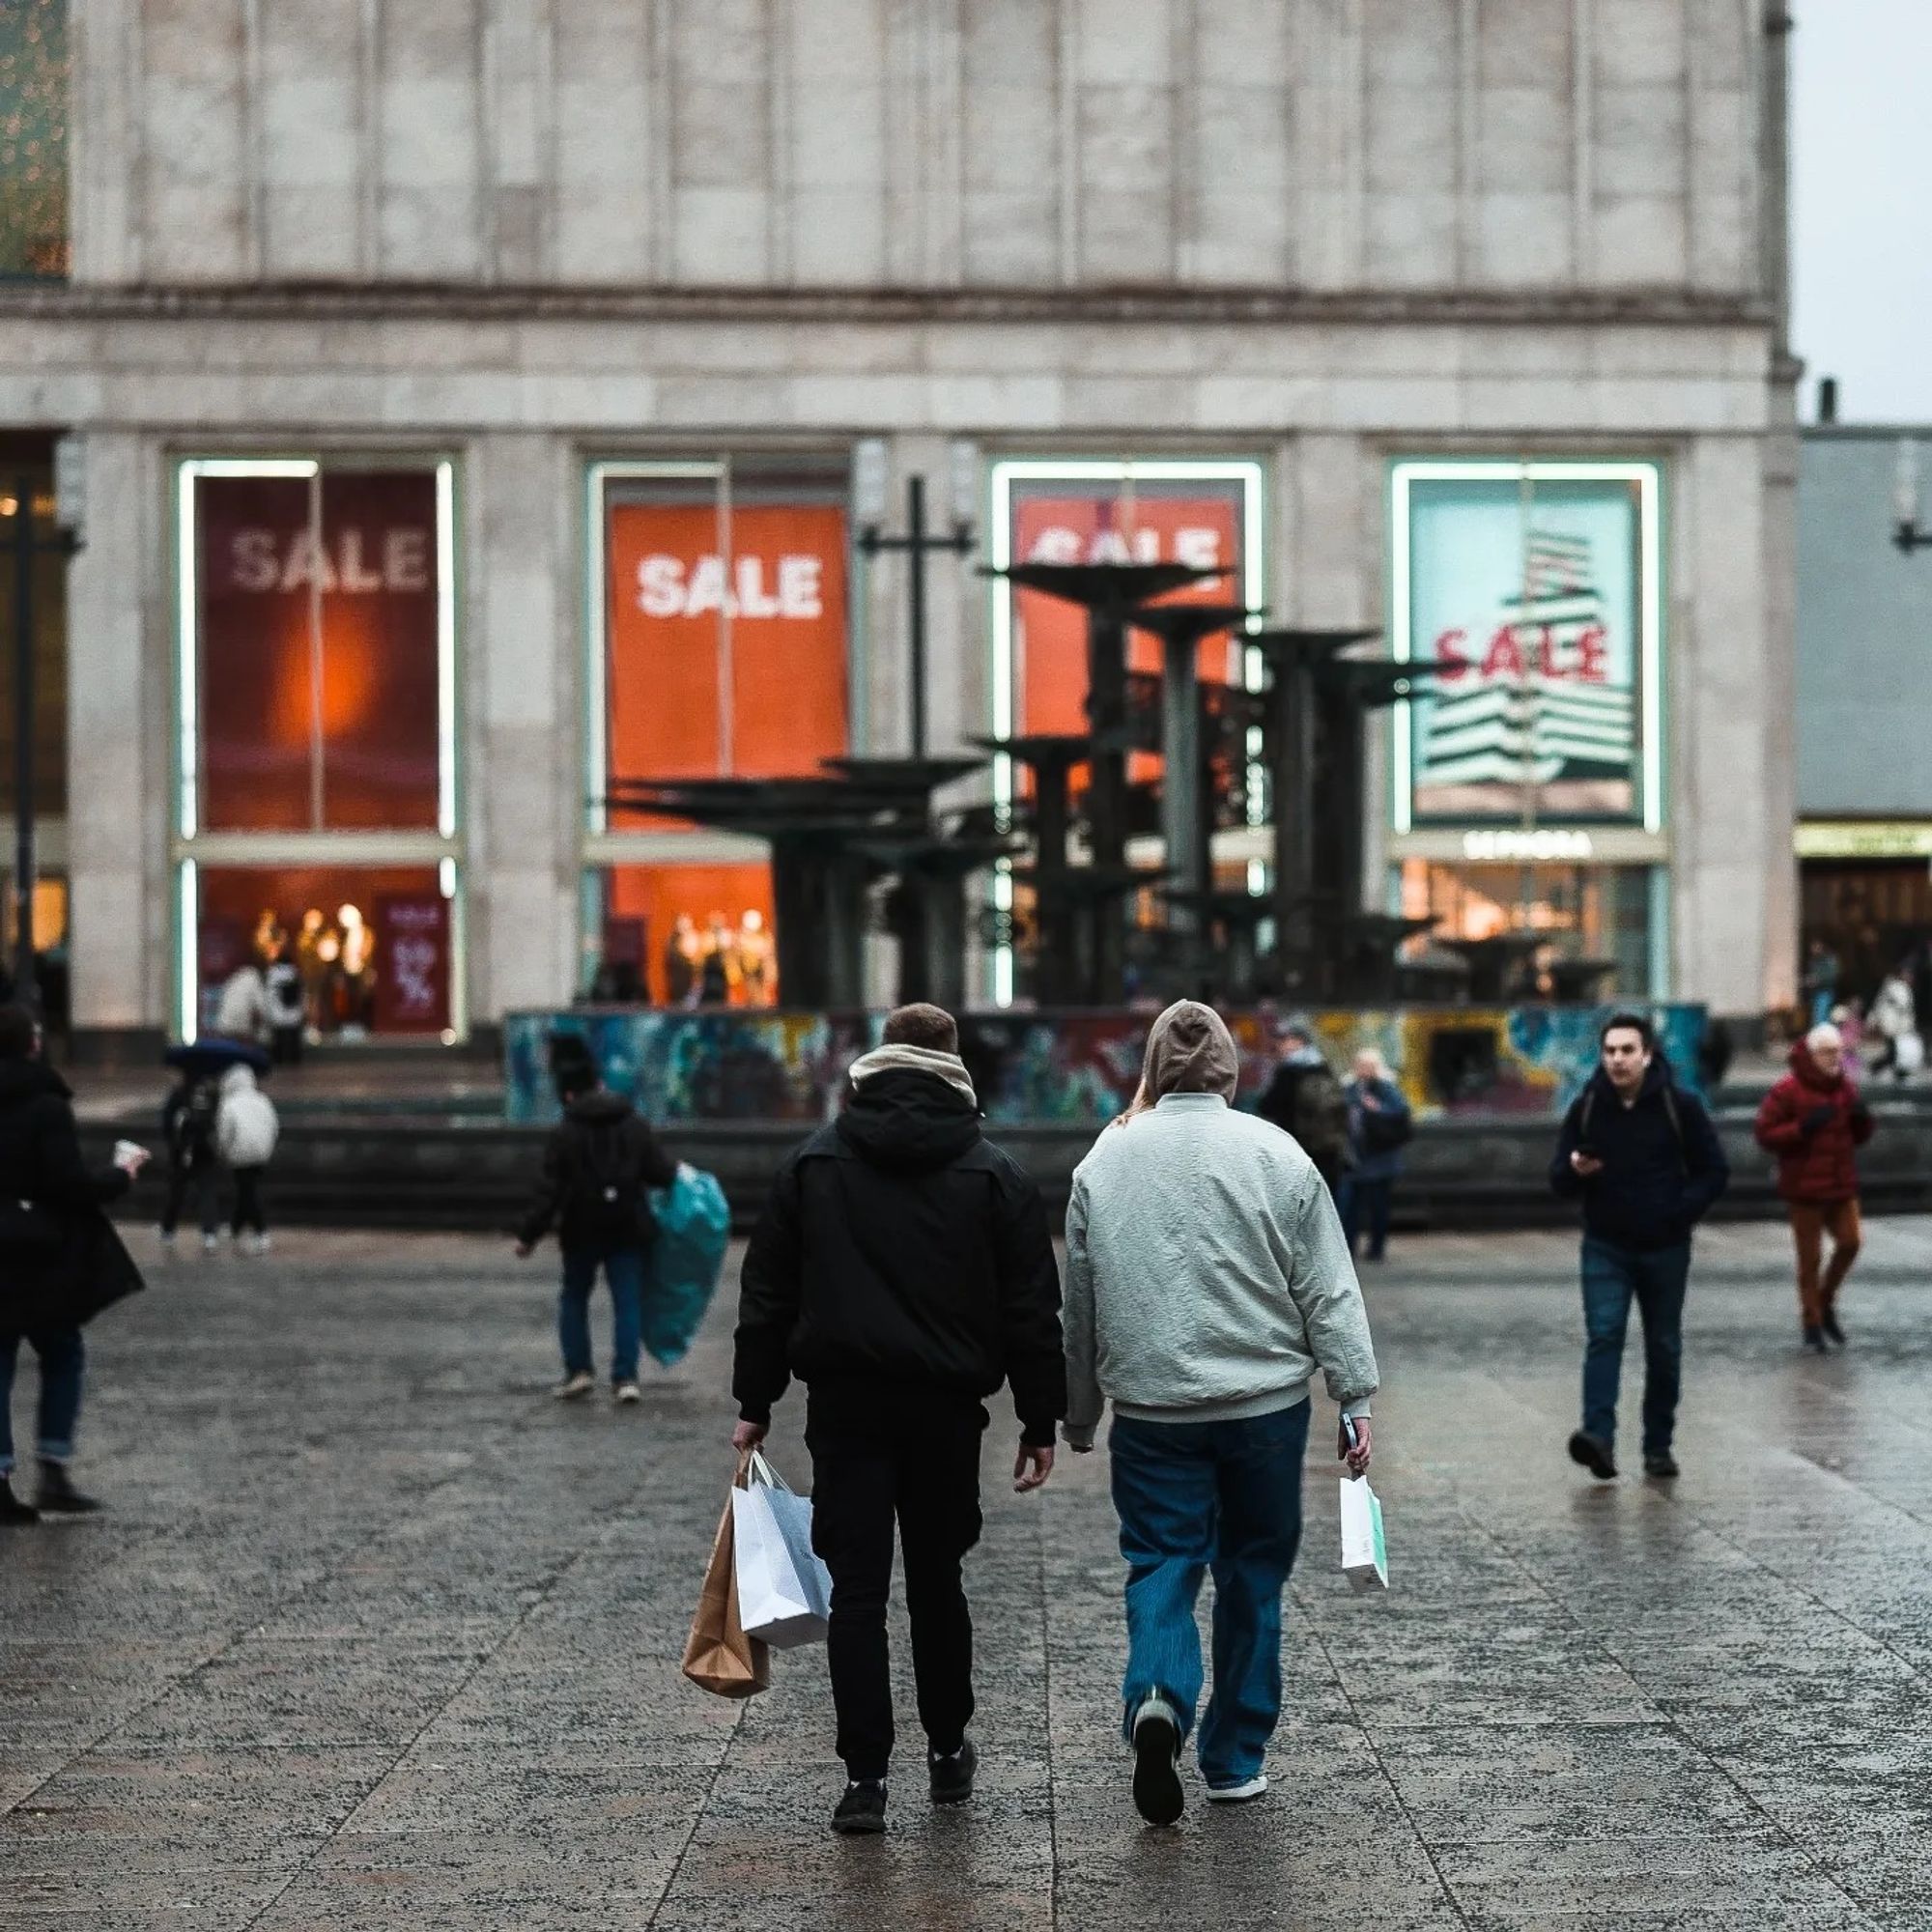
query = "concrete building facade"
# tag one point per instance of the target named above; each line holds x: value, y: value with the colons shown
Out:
x: 540, y: 255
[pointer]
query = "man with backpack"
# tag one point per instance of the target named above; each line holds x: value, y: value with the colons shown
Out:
x: 1645, y: 1162
x: 190, y: 1127
x: 598, y: 1165
x: 1304, y: 1099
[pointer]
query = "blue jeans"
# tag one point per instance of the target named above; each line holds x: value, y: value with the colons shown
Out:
x: 63, y: 1363
x: 624, y: 1269
x: 1194, y: 1496
x: 1366, y: 1202
x: 1653, y: 1278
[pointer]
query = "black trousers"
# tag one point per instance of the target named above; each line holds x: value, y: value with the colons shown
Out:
x: 205, y: 1183
x: 249, y: 1201
x: 880, y: 1458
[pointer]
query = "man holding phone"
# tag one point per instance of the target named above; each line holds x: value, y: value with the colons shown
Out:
x: 1645, y: 1162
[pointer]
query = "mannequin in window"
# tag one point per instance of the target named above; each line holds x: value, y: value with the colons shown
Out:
x: 682, y: 953
x: 718, y: 972
x: 756, y: 962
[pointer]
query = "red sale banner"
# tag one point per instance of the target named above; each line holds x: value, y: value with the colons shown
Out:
x: 412, y: 964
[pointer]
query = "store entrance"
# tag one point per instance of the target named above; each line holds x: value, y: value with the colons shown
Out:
x: 1870, y: 916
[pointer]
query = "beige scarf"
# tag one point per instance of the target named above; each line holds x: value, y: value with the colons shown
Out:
x: 946, y: 1067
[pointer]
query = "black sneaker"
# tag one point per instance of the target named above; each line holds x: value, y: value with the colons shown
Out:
x: 58, y: 1495
x: 1594, y: 1456
x: 1156, y: 1751
x: 862, y: 1811
x: 11, y: 1509
x: 1662, y: 1464
x: 1829, y: 1321
x: 952, y: 1775
x: 1814, y: 1338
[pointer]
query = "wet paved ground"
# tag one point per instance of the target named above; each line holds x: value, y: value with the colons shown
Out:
x: 377, y: 1637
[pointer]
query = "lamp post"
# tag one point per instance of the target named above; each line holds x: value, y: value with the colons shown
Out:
x: 1906, y: 532
x: 869, y: 493
x: 70, y: 519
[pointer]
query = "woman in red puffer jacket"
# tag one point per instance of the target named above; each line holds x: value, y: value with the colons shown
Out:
x: 1814, y: 1123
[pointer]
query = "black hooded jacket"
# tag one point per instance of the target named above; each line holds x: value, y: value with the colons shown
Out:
x: 1664, y: 1166
x: 900, y: 1249
x: 601, y: 1133
x: 69, y: 1281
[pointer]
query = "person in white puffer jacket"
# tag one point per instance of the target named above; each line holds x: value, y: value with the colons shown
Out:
x: 245, y: 1131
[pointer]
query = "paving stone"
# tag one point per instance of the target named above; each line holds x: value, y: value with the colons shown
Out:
x: 404, y: 1651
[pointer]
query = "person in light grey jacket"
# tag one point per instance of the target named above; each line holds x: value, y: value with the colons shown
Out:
x: 1207, y: 1280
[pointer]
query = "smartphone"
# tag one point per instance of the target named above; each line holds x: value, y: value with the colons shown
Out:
x: 1351, y: 1437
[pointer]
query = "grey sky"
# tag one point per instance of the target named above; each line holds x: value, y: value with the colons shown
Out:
x: 1861, y: 204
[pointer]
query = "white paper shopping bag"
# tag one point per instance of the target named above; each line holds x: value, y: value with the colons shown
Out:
x: 784, y: 1592
x: 1364, y: 1547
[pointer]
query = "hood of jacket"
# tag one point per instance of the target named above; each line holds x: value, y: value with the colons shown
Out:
x: 24, y: 1080
x: 598, y: 1108
x: 1189, y: 1050
x: 238, y: 1079
x: 1808, y: 1073
x: 907, y: 1120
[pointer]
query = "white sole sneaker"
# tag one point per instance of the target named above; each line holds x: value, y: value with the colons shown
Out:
x: 575, y: 1388
x: 626, y: 1393
x: 1239, y: 1794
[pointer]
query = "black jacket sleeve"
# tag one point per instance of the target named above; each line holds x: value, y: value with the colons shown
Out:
x: 546, y: 1202
x: 62, y: 1179
x: 769, y: 1293
x: 1032, y: 1348
x: 655, y: 1167
x: 1707, y: 1171
x: 1564, y: 1179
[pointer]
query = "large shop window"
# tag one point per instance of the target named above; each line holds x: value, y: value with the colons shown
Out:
x: 721, y: 639
x: 317, y: 746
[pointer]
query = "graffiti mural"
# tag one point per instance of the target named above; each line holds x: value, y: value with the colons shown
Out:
x: 742, y: 1064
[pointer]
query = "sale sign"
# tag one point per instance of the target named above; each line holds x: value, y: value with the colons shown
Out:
x: 412, y: 964
x: 1526, y: 595
x: 726, y: 646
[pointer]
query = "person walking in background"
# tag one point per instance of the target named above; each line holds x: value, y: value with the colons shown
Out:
x: 243, y: 1012
x: 902, y: 1270
x: 1645, y: 1161
x: 1821, y: 982
x: 285, y: 1005
x: 1304, y: 1099
x: 1814, y: 1121
x: 598, y: 1164
x: 61, y: 1262
x: 188, y: 1131
x: 1894, y: 1019
x: 1380, y: 1126
x: 246, y: 1132
x: 1207, y: 1280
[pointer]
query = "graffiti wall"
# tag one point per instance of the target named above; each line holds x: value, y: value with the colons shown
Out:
x: 1059, y: 1068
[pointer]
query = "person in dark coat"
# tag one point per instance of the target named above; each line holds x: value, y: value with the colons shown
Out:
x: 902, y: 1271
x: 61, y: 1262
x: 1645, y: 1162
x: 1814, y: 1121
x: 1379, y: 1126
x: 1304, y: 1099
x: 597, y: 1167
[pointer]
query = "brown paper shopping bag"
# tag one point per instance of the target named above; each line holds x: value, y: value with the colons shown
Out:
x: 718, y: 1656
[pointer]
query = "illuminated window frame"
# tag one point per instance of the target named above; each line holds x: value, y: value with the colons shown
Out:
x: 1648, y: 477
x: 193, y: 846
x: 1250, y: 472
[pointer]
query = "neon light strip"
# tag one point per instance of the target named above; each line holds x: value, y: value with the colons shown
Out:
x: 445, y: 650
x: 1399, y: 623
x: 1650, y: 567
x: 187, y: 895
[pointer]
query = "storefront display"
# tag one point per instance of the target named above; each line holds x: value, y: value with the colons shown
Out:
x: 316, y: 702
x: 375, y: 946
x: 1532, y: 590
x: 721, y: 648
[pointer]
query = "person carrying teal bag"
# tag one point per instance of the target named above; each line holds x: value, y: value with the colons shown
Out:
x: 686, y: 1260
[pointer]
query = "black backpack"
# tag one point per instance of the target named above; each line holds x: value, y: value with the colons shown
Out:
x: 607, y: 1199
x: 1321, y: 1114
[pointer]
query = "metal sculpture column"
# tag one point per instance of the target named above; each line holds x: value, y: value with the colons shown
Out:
x: 1051, y: 756
x: 1291, y: 655
x: 1107, y: 592
x: 1187, y: 809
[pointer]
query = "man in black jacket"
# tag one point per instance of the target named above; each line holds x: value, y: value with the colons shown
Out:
x: 61, y: 1262
x: 902, y: 1270
x: 598, y: 1163
x: 1645, y: 1161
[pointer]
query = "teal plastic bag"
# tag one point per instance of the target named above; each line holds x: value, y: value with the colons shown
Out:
x: 686, y: 1261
